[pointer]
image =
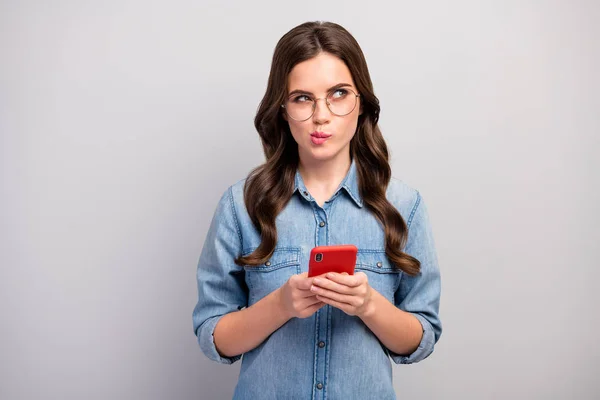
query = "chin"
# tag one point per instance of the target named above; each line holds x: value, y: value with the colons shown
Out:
x: 322, y: 154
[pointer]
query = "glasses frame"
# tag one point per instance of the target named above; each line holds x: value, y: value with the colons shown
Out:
x: 314, y: 105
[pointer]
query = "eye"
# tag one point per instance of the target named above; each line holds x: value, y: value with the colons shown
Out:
x: 300, y: 99
x: 339, y: 93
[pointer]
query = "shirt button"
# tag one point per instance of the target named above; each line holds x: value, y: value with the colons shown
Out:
x: 321, y: 344
x: 319, y: 386
x: 268, y: 263
x: 321, y: 224
x: 305, y: 193
x: 379, y: 264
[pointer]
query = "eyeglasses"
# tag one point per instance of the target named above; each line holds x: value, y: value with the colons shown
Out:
x: 340, y: 102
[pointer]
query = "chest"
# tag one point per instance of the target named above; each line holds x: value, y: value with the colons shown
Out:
x: 303, y: 225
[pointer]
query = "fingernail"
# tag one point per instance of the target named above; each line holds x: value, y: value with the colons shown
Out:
x: 317, y: 281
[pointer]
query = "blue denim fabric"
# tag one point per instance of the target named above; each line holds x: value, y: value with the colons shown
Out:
x: 292, y: 363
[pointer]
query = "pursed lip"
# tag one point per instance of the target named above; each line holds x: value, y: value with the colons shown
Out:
x: 320, y: 134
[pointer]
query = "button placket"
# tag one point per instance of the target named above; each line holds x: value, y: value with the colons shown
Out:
x: 323, y: 315
x: 321, y: 226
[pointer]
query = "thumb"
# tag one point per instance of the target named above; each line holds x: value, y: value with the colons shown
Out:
x: 304, y: 282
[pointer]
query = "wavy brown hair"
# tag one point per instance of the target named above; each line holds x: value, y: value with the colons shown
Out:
x: 270, y: 186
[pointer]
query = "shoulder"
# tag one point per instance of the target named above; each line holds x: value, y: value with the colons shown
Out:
x: 236, y: 190
x: 232, y: 199
x: 404, y: 197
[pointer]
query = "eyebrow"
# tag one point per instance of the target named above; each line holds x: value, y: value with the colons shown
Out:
x: 338, y: 86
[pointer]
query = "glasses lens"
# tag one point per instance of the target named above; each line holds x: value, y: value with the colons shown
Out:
x: 342, y: 101
x: 299, y: 107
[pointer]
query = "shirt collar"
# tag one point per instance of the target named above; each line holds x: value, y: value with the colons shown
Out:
x: 349, y: 184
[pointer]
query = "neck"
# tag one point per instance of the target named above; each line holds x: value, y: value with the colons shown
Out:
x: 324, y: 173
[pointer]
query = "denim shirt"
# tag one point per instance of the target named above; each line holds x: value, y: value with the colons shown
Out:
x: 329, y: 355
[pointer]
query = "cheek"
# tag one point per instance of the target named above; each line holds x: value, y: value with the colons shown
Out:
x: 297, y: 127
x: 293, y: 128
x: 296, y: 130
x: 351, y: 125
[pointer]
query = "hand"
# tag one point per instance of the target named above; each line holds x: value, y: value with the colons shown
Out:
x: 296, y: 299
x: 350, y: 293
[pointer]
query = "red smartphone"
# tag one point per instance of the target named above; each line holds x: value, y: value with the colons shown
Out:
x: 335, y: 258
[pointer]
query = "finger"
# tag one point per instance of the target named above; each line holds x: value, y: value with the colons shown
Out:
x: 309, y: 302
x: 348, y: 280
x: 313, y: 309
x: 300, y: 288
x: 340, y: 298
x: 342, y: 306
x: 332, y: 285
x: 303, y: 294
x: 303, y: 282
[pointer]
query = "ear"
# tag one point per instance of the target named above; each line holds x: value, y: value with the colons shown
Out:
x: 283, y: 113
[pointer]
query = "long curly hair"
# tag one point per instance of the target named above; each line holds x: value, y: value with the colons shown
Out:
x: 270, y: 186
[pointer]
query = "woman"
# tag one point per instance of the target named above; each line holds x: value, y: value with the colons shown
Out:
x: 326, y: 181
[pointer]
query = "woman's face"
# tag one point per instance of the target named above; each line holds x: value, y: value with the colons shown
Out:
x: 319, y: 77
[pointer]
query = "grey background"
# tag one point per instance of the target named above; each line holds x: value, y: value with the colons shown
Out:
x: 122, y: 122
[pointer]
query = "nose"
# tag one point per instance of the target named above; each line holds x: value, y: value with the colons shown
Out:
x: 322, y: 113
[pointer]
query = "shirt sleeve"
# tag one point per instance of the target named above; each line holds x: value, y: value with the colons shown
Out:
x: 221, y: 284
x: 420, y: 295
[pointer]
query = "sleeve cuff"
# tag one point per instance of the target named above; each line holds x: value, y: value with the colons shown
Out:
x: 207, y: 343
x: 425, y: 347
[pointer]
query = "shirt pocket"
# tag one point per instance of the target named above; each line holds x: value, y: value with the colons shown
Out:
x: 265, y: 278
x: 383, y: 275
